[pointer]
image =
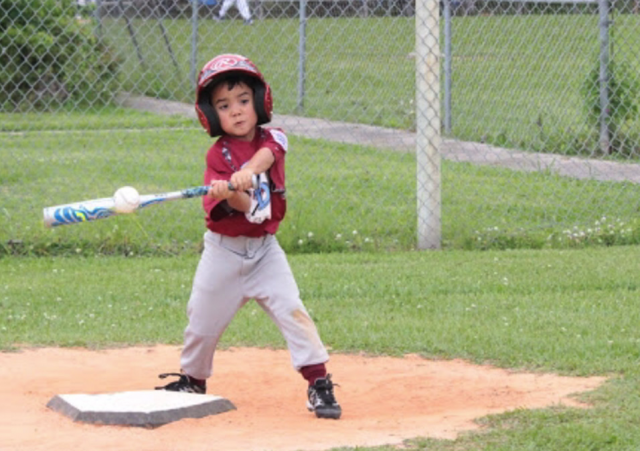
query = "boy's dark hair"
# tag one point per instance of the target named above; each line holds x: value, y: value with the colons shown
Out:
x: 231, y: 81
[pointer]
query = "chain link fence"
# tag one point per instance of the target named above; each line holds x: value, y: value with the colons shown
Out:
x: 412, y: 124
x: 551, y: 88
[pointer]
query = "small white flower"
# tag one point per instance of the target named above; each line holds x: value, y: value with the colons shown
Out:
x: 338, y: 236
x: 355, y: 232
x: 300, y: 242
x: 310, y: 235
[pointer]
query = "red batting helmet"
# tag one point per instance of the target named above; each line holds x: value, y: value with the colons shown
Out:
x: 216, y: 70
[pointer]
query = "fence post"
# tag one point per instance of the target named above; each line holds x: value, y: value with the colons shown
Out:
x: 98, y: 18
x: 428, y: 123
x: 194, y: 43
x: 447, y: 67
x: 605, y: 139
x: 132, y: 33
x: 302, y: 55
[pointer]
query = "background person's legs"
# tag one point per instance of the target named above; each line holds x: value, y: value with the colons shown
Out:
x: 225, y: 7
x: 243, y: 8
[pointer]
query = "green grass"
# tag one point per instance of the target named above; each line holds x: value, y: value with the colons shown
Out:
x: 568, y: 312
x: 341, y: 197
x: 98, y: 118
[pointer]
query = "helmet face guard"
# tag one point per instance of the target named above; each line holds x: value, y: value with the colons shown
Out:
x: 217, y: 70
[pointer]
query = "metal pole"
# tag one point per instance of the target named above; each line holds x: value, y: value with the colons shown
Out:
x: 132, y: 33
x: 302, y: 55
x: 194, y: 43
x: 428, y: 123
x: 448, y: 60
x: 605, y: 139
x: 98, y: 16
x: 165, y: 36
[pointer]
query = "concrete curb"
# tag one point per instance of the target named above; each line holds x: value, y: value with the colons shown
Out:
x: 404, y: 141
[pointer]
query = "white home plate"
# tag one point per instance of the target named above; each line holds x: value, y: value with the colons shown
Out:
x: 148, y: 408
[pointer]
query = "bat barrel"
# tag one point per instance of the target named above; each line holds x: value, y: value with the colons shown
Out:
x: 90, y: 210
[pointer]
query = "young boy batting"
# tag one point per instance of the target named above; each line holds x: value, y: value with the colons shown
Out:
x: 242, y: 259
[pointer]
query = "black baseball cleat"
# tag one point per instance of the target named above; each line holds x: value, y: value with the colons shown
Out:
x: 184, y: 384
x: 321, y: 399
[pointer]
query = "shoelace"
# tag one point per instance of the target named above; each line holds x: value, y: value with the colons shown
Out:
x: 325, y: 391
x: 327, y: 396
x: 183, y: 380
x: 165, y: 375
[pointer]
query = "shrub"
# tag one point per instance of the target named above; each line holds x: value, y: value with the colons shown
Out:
x: 49, y: 57
x: 623, y: 93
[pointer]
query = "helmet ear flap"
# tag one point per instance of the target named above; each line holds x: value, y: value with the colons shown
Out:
x: 207, y: 114
x: 263, y: 102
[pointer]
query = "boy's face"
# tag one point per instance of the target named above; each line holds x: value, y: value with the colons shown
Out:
x: 235, y: 110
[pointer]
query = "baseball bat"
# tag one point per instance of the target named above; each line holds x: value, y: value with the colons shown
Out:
x: 94, y: 209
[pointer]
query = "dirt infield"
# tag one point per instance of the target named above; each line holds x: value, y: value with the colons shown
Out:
x: 385, y: 400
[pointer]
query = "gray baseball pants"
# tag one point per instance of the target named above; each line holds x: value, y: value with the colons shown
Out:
x: 231, y: 272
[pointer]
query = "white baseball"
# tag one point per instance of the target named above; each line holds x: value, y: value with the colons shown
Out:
x: 127, y: 199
